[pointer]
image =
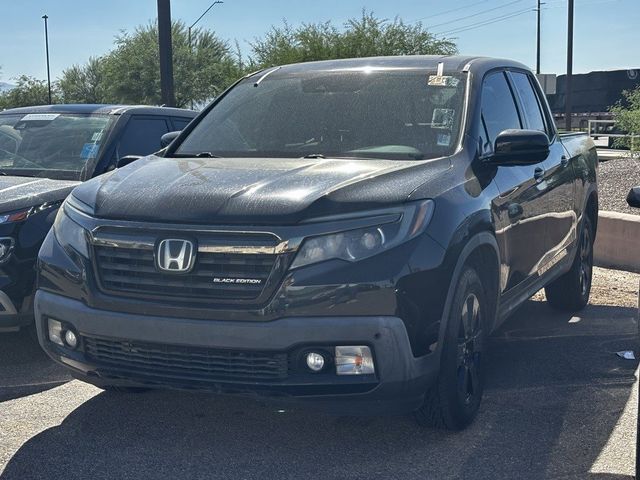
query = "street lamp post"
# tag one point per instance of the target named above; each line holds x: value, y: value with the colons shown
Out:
x: 200, y: 18
x: 538, y: 36
x: 46, y: 43
x: 568, y: 85
x: 193, y: 25
x: 166, y: 53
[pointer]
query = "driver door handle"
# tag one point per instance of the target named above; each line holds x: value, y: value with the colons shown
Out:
x: 538, y: 174
x: 564, y: 161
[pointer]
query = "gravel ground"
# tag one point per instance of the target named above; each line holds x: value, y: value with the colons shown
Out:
x: 559, y: 404
x: 616, y: 177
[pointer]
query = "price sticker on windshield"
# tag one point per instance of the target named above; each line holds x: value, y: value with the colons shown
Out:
x: 443, y: 81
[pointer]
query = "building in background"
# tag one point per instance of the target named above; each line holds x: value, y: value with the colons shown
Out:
x: 593, y: 95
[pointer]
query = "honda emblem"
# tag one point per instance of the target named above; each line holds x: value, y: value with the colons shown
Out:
x: 175, y: 255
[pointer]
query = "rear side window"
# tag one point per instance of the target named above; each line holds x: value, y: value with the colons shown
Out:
x: 531, y: 109
x: 499, y: 110
x: 179, y: 122
x: 142, y: 136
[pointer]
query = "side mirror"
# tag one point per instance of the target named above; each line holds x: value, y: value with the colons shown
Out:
x: 167, y: 138
x: 126, y: 160
x: 520, y: 147
x: 633, y: 199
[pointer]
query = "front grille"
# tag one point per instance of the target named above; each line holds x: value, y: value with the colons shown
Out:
x: 133, y: 271
x: 172, y: 364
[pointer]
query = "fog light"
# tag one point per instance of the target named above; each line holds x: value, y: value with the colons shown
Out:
x: 315, y: 361
x: 70, y: 339
x: 55, y: 332
x: 356, y: 360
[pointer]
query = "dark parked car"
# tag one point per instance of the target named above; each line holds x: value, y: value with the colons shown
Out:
x: 45, y: 152
x: 343, y: 233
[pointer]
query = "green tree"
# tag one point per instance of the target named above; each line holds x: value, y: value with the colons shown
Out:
x: 202, y: 71
x: 627, y: 115
x: 84, y: 83
x: 28, y: 91
x: 365, y: 36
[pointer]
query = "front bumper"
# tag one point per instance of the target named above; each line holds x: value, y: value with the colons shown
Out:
x: 11, y: 316
x: 397, y: 387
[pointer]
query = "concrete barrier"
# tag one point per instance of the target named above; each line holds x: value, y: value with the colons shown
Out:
x: 617, y: 241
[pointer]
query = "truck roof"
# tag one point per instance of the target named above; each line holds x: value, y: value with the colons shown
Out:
x: 101, y: 108
x: 452, y: 63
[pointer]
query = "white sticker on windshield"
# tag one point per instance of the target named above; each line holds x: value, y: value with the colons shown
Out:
x: 96, y: 137
x: 442, y: 118
x: 39, y: 117
x: 443, y: 81
x: 444, y: 139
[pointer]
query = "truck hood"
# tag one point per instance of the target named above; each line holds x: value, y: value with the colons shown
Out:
x: 25, y: 192
x: 251, y: 190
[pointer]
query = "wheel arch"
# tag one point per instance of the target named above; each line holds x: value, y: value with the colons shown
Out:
x: 481, y: 252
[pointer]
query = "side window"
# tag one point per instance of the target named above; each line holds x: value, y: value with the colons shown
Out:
x: 142, y: 136
x: 499, y: 110
x: 180, y: 122
x: 531, y: 110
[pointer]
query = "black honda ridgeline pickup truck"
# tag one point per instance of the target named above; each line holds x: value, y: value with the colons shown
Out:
x: 343, y: 233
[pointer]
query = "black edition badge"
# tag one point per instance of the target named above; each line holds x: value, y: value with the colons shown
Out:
x: 238, y: 281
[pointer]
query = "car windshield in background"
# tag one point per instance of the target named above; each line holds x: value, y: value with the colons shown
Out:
x: 369, y: 113
x: 50, y: 145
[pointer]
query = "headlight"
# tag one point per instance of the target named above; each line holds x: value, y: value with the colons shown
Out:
x: 15, y: 216
x: 354, y: 245
x: 69, y: 234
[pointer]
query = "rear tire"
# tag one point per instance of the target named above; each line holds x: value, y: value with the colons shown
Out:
x: 571, y: 291
x: 453, y: 402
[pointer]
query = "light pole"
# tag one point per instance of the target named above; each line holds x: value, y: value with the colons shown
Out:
x: 46, y: 44
x: 538, y: 34
x: 193, y: 25
x: 166, y: 53
x: 200, y: 18
x: 568, y: 85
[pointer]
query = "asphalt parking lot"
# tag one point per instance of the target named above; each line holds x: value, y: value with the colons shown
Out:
x: 559, y: 404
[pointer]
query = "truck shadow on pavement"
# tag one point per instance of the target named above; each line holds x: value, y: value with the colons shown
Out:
x: 24, y: 368
x: 554, y: 403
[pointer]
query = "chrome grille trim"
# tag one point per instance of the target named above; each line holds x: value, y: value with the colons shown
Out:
x: 148, y: 243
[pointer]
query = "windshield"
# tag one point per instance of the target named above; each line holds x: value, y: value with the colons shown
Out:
x: 393, y: 114
x: 50, y: 145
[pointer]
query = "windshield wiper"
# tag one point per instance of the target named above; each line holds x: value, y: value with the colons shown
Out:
x: 314, y: 155
x: 193, y: 155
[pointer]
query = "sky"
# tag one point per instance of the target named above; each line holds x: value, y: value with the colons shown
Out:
x: 607, y: 32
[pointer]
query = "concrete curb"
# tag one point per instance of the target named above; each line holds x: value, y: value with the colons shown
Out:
x: 617, y: 241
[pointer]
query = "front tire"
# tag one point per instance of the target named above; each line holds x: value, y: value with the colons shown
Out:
x: 571, y: 291
x: 455, y: 399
